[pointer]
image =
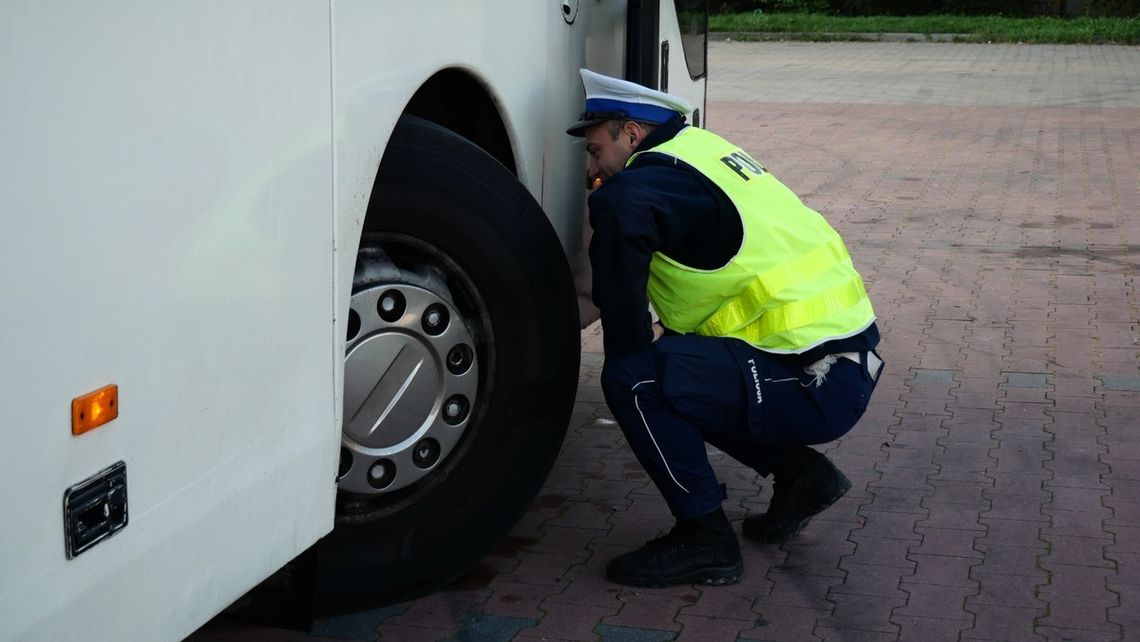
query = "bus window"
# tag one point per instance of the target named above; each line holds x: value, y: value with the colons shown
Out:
x: 693, y: 20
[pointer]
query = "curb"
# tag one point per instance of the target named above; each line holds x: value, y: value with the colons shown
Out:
x: 844, y: 36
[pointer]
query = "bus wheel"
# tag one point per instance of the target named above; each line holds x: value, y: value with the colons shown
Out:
x: 460, y: 370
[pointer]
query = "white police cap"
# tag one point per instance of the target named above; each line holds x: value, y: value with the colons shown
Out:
x: 612, y: 98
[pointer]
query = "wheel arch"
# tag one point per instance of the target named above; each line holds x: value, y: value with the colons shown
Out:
x: 457, y: 100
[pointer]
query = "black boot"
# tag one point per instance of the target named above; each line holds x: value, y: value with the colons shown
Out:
x: 802, y: 487
x: 702, y: 550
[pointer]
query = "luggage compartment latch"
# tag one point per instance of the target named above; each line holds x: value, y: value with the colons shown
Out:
x: 95, y: 509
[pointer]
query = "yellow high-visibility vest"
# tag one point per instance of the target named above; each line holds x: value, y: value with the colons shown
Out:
x: 791, y: 285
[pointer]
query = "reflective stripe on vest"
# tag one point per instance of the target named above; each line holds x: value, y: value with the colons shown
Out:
x: 789, y: 290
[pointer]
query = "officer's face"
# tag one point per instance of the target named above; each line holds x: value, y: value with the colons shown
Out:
x: 607, y: 152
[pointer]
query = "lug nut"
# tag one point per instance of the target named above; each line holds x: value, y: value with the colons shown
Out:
x: 391, y: 306
x: 381, y: 474
x: 426, y: 453
x: 455, y: 410
x: 435, y: 319
x: 459, y: 359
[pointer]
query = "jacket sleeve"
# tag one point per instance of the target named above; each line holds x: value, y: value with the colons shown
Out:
x: 624, y: 239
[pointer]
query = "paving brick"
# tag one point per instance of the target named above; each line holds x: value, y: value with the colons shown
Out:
x: 698, y: 629
x: 557, y: 540
x: 930, y: 629
x: 490, y: 628
x: 617, y: 633
x: 441, y: 610
x: 784, y: 624
x: 935, y: 601
x: 928, y: 376
x: 1078, y: 598
x: 515, y: 599
x: 1127, y: 615
x: 545, y: 570
x: 1012, y: 429
x: 803, y: 560
x: 398, y: 633
x: 569, y: 622
x: 655, y: 610
x: 862, y: 613
x: 1082, y: 551
x: 906, y: 456
x: 1075, y: 499
x: 952, y: 516
x: 881, y: 551
x: 899, y: 500
x: 906, y: 478
x: 1010, y: 560
x: 853, y: 635
x: 941, y: 570
x: 959, y: 492
x: 1021, y: 484
x: 360, y: 625
x: 1127, y: 571
x: 863, y: 579
x: 1077, y: 466
x: 1005, y: 623
x: 947, y: 541
x: 1075, y: 606
x: 1056, y: 634
x: 1073, y: 405
x: 1029, y: 395
x: 890, y: 525
x: 1000, y: 589
x: 733, y: 601
x: 585, y: 586
x: 798, y: 590
x: 1015, y: 507
x: 1116, y: 398
x: 1026, y: 457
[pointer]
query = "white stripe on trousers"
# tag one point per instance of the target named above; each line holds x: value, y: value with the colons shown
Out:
x: 637, y: 404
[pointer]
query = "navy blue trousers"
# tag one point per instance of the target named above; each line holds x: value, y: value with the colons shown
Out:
x: 683, y: 391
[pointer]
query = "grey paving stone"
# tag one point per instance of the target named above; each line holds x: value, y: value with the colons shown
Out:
x: 925, y: 375
x: 356, y: 626
x: 490, y: 628
x: 614, y: 633
x: 1027, y: 379
x: 1121, y: 382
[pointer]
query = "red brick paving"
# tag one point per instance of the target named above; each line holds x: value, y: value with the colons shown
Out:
x: 997, y: 470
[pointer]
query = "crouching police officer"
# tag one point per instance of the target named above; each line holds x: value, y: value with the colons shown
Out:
x: 766, y: 337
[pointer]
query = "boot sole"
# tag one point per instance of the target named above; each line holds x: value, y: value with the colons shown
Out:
x: 843, y: 485
x: 718, y: 576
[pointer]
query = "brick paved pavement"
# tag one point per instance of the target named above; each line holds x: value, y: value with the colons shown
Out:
x: 989, y: 196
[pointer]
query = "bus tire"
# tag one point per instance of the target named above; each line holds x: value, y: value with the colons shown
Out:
x: 448, y: 221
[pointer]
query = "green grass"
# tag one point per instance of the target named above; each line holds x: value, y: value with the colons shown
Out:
x: 811, y: 26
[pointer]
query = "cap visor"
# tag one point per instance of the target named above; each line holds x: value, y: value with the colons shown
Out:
x: 579, y: 128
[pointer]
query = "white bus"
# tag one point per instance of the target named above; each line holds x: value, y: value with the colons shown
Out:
x: 281, y: 271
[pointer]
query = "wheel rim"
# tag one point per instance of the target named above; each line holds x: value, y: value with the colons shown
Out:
x: 412, y: 371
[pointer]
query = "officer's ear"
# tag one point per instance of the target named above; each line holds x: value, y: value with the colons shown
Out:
x: 633, y: 131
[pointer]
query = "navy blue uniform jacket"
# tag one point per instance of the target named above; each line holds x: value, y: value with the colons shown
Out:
x: 659, y: 204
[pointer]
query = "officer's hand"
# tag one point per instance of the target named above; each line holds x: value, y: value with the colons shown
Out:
x: 658, y: 331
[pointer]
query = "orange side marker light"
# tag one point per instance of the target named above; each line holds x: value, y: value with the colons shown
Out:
x: 94, y: 409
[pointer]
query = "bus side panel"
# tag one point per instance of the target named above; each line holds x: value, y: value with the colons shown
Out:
x: 385, y: 51
x: 166, y: 190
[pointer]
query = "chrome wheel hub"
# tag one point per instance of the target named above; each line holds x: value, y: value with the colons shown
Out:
x: 410, y: 381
